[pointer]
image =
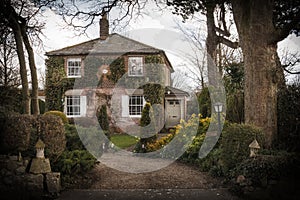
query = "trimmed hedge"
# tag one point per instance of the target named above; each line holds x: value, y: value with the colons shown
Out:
x: 16, y: 133
x: 59, y: 114
x: 235, y: 142
x: 21, y: 132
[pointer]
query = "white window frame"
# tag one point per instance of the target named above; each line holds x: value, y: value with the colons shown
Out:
x: 138, y: 105
x: 80, y: 105
x: 139, y: 60
x: 74, y: 67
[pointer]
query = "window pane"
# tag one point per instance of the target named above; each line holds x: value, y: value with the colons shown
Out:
x: 74, y: 67
x: 135, y: 105
x: 73, y: 105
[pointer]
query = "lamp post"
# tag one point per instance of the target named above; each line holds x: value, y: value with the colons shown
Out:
x: 218, y: 108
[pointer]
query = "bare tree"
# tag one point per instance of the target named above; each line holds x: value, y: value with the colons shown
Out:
x: 180, y: 81
x: 20, y: 17
x: 9, y: 76
x: 290, y: 62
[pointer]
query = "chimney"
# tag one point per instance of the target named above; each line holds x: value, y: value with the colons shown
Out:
x: 104, y: 27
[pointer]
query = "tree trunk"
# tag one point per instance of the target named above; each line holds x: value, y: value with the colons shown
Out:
x: 211, y: 46
x: 262, y: 73
x: 34, y: 79
x: 23, y: 72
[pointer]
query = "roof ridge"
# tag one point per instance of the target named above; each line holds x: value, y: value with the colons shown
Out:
x: 127, y: 38
x: 72, y: 46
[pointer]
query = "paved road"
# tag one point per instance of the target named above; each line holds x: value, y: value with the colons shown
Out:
x: 148, y: 194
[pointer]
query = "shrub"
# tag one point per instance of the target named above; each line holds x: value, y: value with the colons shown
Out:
x: 288, y: 117
x: 52, y: 132
x: 16, y: 133
x: 235, y: 142
x: 103, y: 122
x: 160, y: 143
x: 263, y: 168
x: 147, y: 115
x: 73, y: 140
x: 204, y: 102
x: 191, y: 154
x: 92, y: 139
x: 84, y: 122
x: 59, y: 114
x: 21, y: 132
x: 74, y: 162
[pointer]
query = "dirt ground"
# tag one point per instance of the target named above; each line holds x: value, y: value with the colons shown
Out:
x: 175, y: 176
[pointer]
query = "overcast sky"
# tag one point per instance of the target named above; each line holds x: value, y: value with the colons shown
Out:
x: 156, y: 28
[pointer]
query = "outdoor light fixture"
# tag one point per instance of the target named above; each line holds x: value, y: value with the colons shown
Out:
x: 254, y: 147
x: 169, y: 92
x: 105, y: 71
x: 218, y: 108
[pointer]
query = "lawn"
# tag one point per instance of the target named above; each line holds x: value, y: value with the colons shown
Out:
x: 124, y: 141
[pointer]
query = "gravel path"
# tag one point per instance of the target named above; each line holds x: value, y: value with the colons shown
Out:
x: 175, y: 176
x: 176, y: 181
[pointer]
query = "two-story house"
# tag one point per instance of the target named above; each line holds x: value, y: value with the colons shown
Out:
x: 112, y: 70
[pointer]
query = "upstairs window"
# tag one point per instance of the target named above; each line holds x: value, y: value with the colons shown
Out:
x: 135, y: 66
x: 74, y: 67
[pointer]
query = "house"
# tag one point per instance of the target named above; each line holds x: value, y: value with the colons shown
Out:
x: 112, y: 70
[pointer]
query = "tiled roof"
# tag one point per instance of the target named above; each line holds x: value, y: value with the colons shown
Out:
x: 175, y: 91
x: 114, y: 44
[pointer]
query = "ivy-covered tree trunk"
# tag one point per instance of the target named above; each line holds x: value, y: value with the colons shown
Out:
x: 262, y: 73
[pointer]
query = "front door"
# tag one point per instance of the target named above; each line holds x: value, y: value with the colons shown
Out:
x: 173, y: 112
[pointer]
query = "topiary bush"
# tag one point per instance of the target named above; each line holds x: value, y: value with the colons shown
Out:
x: 103, y: 120
x: 52, y: 132
x: 59, y: 114
x: 235, y: 142
x: 21, y: 132
x: 147, y: 115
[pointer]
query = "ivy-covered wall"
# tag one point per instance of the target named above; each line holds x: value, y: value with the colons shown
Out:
x: 154, y: 91
x: 57, y: 83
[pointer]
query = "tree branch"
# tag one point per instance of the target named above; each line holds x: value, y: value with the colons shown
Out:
x: 227, y: 42
x: 281, y: 34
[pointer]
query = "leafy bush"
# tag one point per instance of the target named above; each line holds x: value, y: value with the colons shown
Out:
x: 204, y: 102
x: 263, y: 168
x: 21, y: 132
x: 103, y: 122
x: 52, y: 132
x: 160, y: 143
x: 74, y: 162
x: 73, y: 140
x: 288, y: 118
x: 235, y: 142
x: 16, y: 132
x: 84, y: 122
x: 191, y: 154
x: 59, y: 114
x: 10, y: 100
x: 147, y: 115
